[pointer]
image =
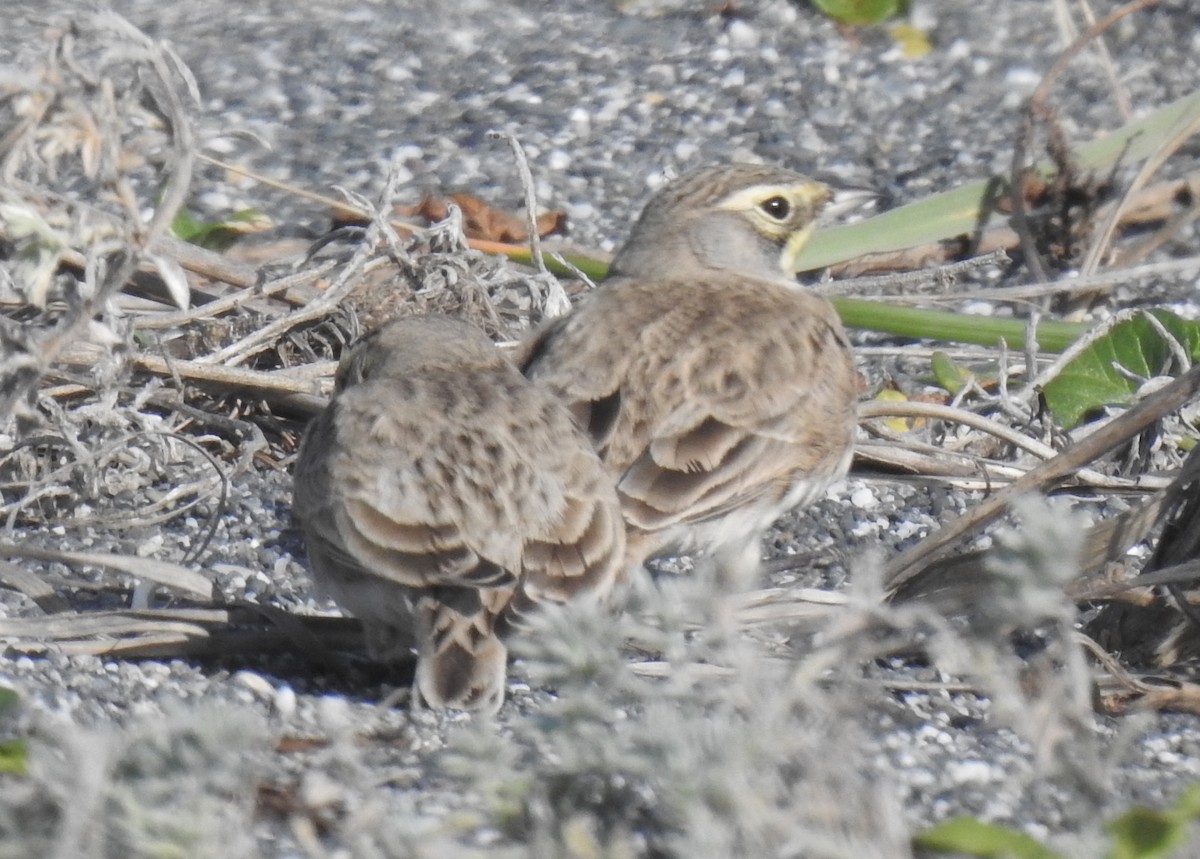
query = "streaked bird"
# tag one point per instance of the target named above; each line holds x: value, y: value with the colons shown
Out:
x: 443, y: 496
x: 718, y: 391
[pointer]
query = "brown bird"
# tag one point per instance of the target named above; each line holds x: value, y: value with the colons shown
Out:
x: 718, y: 392
x: 442, y: 496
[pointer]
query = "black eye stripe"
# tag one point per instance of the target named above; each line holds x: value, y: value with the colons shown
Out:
x: 777, y: 207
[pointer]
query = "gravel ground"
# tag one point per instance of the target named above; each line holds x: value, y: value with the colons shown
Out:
x: 606, y: 102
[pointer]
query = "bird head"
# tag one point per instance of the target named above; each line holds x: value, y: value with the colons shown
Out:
x: 415, y: 344
x: 742, y: 218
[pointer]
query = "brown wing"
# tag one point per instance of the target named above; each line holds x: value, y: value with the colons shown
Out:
x: 375, y: 489
x: 583, y: 361
x: 713, y: 392
x: 580, y: 551
x: 467, y: 482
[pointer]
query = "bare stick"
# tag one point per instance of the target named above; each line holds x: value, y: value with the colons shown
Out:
x: 535, y: 240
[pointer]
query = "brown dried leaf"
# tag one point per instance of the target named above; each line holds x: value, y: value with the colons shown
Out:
x: 481, y: 221
x: 290, y: 743
x: 1152, y: 693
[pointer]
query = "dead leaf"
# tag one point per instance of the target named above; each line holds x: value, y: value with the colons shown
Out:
x: 481, y: 221
x: 1152, y: 693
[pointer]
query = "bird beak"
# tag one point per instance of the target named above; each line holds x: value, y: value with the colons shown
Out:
x: 846, y: 200
x: 840, y: 201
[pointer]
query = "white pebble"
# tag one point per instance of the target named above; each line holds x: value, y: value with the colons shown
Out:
x: 904, y: 530
x: 1022, y: 78
x: 256, y: 683
x: 334, y: 713
x: 582, y: 211
x: 965, y: 771
x: 920, y: 778
x: 318, y: 790
x: 285, y: 701
x: 741, y: 34
x: 558, y: 160
x: 580, y: 120
x: 864, y: 498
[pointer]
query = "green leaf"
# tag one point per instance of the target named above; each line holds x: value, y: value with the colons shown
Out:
x: 953, y: 377
x: 216, y: 235
x: 987, y: 840
x: 1141, y: 833
x: 13, y: 756
x: 1092, y: 380
x: 858, y: 12
x: 948, y: 374
x: 914, y: 42
x: 1188, y: 804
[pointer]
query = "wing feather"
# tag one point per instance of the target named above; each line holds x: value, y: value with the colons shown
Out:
x: 725, y: 392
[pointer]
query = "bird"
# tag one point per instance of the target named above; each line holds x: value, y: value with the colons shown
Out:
x: 443, y: 498
x: 718, y: 391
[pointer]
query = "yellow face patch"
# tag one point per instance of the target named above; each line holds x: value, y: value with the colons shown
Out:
x: 791, y: 251
x: 782, y: 213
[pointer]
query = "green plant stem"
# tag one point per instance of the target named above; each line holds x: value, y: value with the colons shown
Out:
x: 593, y: 268
x: 958, y: 327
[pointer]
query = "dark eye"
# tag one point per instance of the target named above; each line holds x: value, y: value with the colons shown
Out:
x: 777, y: 207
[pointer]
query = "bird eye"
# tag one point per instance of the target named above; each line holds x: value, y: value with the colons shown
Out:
x: 777, y: 207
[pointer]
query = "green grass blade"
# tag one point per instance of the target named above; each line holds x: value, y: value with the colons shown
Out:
x: 967, y: 835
